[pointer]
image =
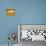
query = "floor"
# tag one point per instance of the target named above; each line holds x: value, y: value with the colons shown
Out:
x: 7, y: 45
x: 30, y: 43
